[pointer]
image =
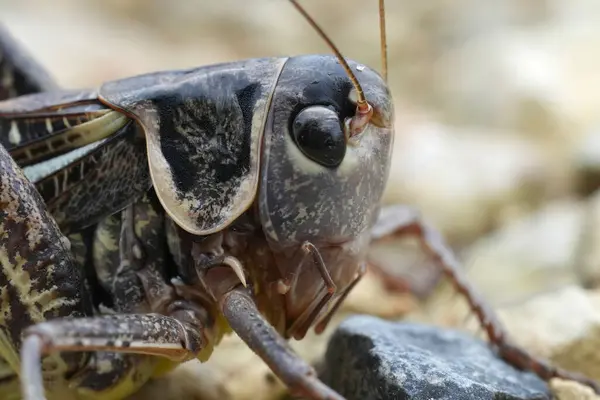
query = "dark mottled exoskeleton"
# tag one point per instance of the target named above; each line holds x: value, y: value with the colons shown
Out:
x: 234, y: 197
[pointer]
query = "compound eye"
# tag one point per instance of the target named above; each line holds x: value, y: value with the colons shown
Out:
x: 320, y: 136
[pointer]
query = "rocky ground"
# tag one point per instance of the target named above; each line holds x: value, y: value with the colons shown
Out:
x: 497, y: 142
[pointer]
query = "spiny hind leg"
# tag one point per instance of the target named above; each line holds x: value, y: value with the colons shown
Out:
x: 418, y: 279
x: 402, y: 220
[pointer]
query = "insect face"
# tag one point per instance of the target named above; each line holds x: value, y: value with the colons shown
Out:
x: 317, y: 184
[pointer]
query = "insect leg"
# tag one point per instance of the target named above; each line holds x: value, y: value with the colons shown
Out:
x: 129, y: 257
x: 174, y: 338
x: 402, y: 220
x: 421, y: 282
x: 19, y: 73
x: 322, y: 324
x: 303, y: 323
x: 104, y: 372
x: 244, y: 318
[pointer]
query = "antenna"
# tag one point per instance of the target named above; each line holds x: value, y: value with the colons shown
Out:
x: 364, y: 111
x: 383, y: 36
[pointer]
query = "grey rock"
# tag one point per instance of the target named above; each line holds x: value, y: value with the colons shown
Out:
x: 369, y: 358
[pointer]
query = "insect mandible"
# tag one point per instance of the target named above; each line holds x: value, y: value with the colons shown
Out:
x: 248, y: 189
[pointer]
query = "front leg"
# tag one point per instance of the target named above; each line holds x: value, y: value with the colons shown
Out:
x: 402, y: 220
x: 237, y: 305
x: 245, y: 319
x: 419, y: 279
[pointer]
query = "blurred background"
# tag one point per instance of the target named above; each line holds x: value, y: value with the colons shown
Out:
x: 497, y: 143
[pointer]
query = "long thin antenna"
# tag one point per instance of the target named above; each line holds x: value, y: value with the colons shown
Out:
x: 384, y: 53
x: 362, y: 101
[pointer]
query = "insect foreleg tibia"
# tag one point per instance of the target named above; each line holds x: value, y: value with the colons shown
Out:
x: 148, y: 334
x: 248, y: 323
x: 402, y: 220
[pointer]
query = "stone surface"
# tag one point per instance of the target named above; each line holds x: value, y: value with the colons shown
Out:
x: 369, y: 358
x: 561, y: 326
x: 569, y: 390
